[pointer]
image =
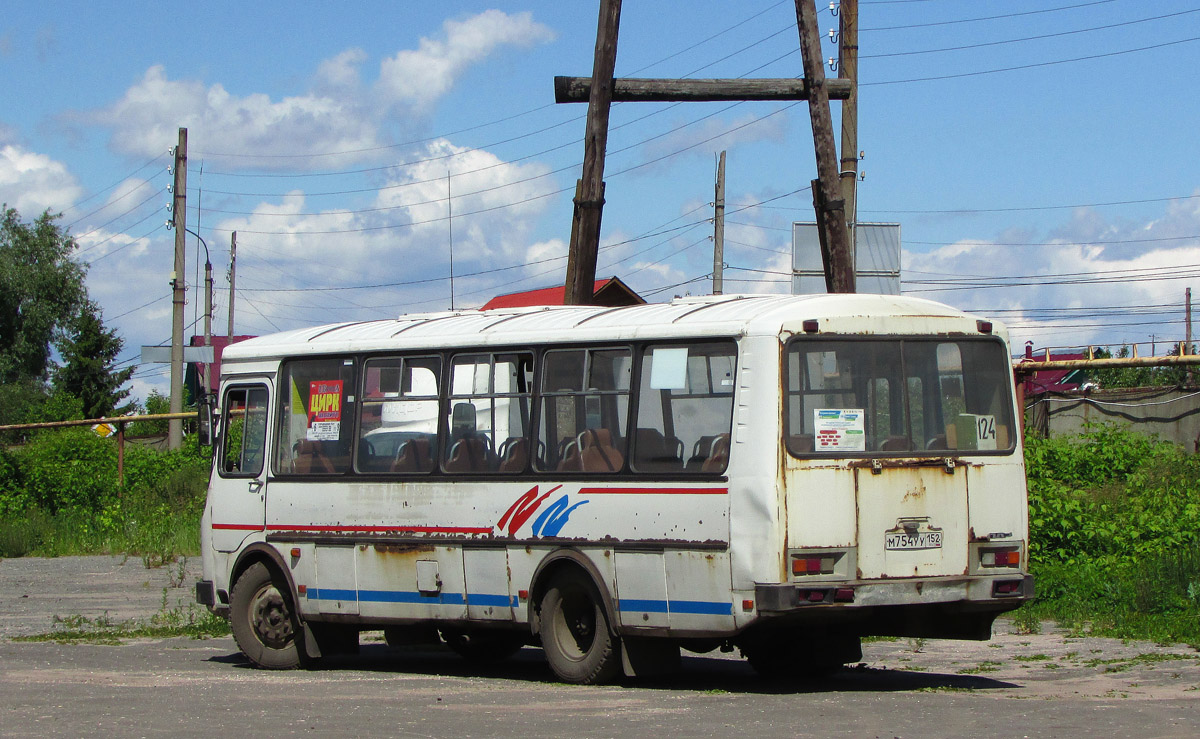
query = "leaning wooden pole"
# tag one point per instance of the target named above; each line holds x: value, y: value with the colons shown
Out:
x: 831, y: 207
x: 589, y: 200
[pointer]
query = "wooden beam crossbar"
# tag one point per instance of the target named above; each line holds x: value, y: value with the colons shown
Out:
x: 650, y: 90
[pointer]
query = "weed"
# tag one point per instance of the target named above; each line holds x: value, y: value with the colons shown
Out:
x: 985, y: 666
x: 916, y: 645
x: 1031, y: 657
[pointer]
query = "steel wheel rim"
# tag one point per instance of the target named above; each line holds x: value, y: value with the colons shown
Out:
x: 574, y: 625
x: 270, y: 618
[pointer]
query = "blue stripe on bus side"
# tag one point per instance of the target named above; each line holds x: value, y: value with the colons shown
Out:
x: 695, y: 607
x: 400, y: 596
x: 626, y: 605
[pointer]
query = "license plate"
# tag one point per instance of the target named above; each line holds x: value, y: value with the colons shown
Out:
x: 918, y: 540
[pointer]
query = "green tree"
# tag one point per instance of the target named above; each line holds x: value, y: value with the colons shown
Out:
x: 1119, y: 377
x: 41, y: 291
x: 89, y: 354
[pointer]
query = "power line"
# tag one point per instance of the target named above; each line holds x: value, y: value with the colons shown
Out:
x: 1030, y: 66
x: 986, y: 18
x: 1027, y: 38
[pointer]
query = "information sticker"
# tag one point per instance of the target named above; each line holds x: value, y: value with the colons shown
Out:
x: 840, y: 430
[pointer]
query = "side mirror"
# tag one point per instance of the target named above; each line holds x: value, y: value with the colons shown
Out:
x: 206, y: 430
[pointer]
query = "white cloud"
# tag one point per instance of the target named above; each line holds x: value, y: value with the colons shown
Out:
x: 1090, y: 263
x: 418, y: 77
x: 32, y: 182
x: 145, y: 121
x: 338, y: 113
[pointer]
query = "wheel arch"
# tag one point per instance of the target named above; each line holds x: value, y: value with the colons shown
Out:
x: 261, y: 552
x: 563, y: 561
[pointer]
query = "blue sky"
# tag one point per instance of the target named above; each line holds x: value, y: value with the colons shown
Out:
x: 1048, y: 144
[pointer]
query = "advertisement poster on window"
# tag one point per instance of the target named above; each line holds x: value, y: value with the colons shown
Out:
x: 840, y: 430
x: 324, y: 410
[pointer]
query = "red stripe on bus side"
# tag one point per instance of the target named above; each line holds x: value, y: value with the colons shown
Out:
x: 385, y: 529
x: 654, y: 491
x: 237, y: 527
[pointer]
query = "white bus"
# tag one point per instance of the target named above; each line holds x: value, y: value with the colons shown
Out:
x: 784, y: 475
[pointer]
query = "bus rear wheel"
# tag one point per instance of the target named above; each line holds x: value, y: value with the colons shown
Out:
x: 575, y: 633
x: 263, y: 620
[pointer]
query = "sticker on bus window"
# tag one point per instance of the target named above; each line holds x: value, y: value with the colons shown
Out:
x: 839, y: 430
x: 976, y: 431
x: 324, y: 410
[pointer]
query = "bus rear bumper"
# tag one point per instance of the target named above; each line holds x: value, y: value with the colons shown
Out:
x: 943, y: 607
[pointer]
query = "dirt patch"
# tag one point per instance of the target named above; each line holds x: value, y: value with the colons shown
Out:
x: 36, y: 591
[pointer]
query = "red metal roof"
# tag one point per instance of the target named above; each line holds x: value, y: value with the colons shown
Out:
x: 611, y: 291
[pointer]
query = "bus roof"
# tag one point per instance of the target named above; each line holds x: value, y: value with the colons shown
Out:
x: 717, y: 315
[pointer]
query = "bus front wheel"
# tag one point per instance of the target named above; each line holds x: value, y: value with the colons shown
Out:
x: 262, y: 618
x: 575, y: 633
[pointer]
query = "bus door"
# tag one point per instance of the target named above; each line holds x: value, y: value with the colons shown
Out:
x: 238, y: 489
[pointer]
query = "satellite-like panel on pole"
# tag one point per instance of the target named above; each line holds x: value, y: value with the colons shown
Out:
x: 876, y: 270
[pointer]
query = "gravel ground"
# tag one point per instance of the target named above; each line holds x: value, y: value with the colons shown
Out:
x: 35, y: 592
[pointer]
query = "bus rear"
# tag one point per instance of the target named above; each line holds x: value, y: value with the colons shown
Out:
x: 903, y: 483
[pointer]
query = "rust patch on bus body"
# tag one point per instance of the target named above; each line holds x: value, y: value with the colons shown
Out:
x: 402, y: 548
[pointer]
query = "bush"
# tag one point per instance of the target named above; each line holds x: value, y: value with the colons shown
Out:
x: 59, y: 495
x: 1114, y: 533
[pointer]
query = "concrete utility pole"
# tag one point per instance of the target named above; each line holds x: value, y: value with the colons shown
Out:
x: 232, y: 277
x: 719, y: 230
x: 589, y: 192
x: 848, y: 71
x: 827, y: 194
x: 179, y: 222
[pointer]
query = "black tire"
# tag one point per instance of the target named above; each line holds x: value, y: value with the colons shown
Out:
x: 483, y: 645
x: 575, y: 632
x: 263, y: 619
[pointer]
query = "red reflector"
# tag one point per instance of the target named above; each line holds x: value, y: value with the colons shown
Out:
x: 816, y: 596
x: 843, y: 595
x: 523, y: 594
x: 811, y: 326
x: 747, y: 605
x: 295, y: 551
x: 301, y: 589
x: 985, y: 327
x: 1007, y: 587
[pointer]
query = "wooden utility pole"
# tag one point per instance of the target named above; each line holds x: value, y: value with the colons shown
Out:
x: 848, y: 72
x: 589, y: 193
x: 830, y: 206
x: 719, y: 229
x: 600, y: 90
x: 232, y: 277
x: 1187, y: 319
x: 179, y: 222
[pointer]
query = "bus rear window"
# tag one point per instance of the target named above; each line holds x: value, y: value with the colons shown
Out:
x: 853, y: 397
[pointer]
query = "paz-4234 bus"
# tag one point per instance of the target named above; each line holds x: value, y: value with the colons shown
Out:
x: 782, y: 475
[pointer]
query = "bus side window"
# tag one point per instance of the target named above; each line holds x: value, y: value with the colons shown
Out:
x: 585, y: 410
x: 316, y: 416
x: 685, y: 406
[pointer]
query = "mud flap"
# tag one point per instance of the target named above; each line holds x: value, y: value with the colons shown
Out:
x: 642, y: 657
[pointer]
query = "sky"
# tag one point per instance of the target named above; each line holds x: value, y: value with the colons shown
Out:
x: 1040, y: 156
